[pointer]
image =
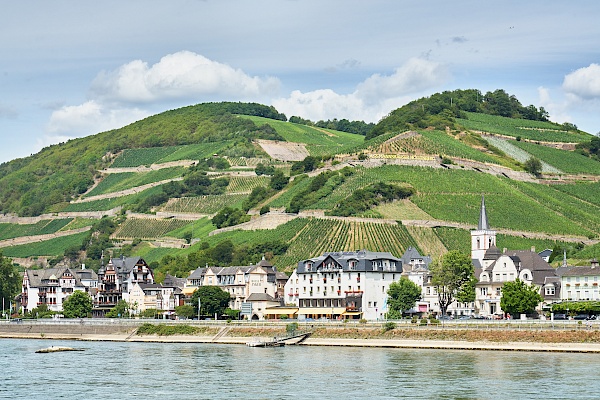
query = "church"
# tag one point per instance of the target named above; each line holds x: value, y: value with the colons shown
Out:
x: 493, y: 268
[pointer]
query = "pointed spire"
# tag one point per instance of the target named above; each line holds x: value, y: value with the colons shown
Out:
x: 564, y: 264
x: 483, y: 225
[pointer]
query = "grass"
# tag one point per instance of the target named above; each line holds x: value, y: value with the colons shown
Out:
x: 566, y: 161
x: 10, y: 231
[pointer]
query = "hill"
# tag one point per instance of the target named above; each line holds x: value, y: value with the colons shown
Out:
x: 226, y: 183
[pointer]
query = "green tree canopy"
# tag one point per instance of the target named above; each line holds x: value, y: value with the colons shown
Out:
x: 186, y: 311
x: 10, y: 280
x: 121, y: 310
x: 533, y: 166
x: 519, y: 298
x: 449, y: 275
x: 213, y: 300
x: 77, y: 305
x: 402, y: 297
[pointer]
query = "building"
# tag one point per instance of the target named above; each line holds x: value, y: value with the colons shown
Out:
x: 348, y: 284
x: 52, y: 286
x: 117, y: 279
x: 240, y: 282
x: 580, y: 283
x: 493, y: 268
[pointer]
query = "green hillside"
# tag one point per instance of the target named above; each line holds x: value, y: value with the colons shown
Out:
x: 444, y: 165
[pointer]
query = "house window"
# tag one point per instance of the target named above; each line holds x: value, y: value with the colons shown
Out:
x: 498, y: 291
x: 550, y: 290
x: 484, y: 291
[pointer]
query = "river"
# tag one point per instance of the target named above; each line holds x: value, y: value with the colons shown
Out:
x: 125, y: 370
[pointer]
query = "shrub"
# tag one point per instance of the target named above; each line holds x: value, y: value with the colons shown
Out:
x: 388, y: 326
x: 291, y: 327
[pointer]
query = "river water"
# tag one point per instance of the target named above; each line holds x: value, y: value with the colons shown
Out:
x: 115, y: 370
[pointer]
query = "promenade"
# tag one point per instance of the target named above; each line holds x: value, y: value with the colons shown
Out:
x: 568, y: 336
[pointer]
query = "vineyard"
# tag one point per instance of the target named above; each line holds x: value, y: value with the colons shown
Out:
x: 401, y: 210
x: 514, y: 211
x: 460, y: 239
x: 518, y: 154
x: 109, y: 204
x: 532, y: 130
x: 428, y: 241
x: 584, y: 214
x: 586, y: 191
x: 154, y: 155
x: 210, y: 204
x: 245, y: 184
x: 567, y: 161
x: 127, y: 180
x: 51, y: 248
x: 251, y: 162
x: 433, y: 143
x: 319, y: 141
x: 144, y: 228
x: 10, y: 231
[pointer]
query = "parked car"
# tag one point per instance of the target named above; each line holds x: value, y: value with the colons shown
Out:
x: 560, y: 317
x: 581, y: 317
x: 443, y: 317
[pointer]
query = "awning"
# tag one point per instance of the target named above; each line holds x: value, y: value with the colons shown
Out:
x: 280, y: 311
x: 352, y: 313
x: 322, y: 310
x: 188, y: 290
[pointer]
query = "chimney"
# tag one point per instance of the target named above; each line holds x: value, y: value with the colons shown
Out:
x: 533, y: 249
x: 504, y: 250
x: 594, y: 263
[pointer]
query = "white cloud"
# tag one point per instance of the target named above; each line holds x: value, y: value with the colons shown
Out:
x: 414, y: 76
x: 88, y: 118
x: 373, y: 98
x: 178, y: 76
x: 584, y: 82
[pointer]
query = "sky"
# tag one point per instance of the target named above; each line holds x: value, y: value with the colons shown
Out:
x: 70, y: 69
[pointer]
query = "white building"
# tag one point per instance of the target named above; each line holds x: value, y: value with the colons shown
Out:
x: 350, y: 284
x: 580, y: 283
x: 52, y: 286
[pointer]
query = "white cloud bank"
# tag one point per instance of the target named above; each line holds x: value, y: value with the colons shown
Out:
x: 120, y: 97
x: 117, y: 97
x: 584, y: 82
x: 373, y: 98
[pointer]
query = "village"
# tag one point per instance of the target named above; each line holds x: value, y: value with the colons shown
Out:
x: 337, y: 285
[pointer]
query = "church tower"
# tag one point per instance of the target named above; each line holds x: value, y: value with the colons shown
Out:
x: 483, y: 238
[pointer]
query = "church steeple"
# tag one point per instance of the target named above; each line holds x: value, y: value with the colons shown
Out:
x: 483, y: 225
x: 483, y: 238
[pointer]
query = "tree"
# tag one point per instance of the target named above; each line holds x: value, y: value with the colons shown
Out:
x: 120, y: 310
x: 533, y: 166
x: 402, y: 297
x: 10, y: 281
x: 213, y: 300
x: 449, y: 275
x: 77, y: 305
x: 519, y: 298
x: 186, y: 311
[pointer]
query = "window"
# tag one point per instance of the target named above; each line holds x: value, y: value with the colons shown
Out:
x: 550, y: 290
x: 499, y: 292
x: 484, y: 291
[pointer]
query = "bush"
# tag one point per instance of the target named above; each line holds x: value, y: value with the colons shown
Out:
x: 388, y: 326
x: 291, y: 327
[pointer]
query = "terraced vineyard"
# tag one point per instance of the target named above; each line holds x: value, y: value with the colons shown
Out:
x: 10, y: 231
x: 156, y: 155
x: 204, y: 204
x: 533, y: 130
x: 245, y: 184
x: 518, y: 154
x: 109, y: 204
x: 428, y: 241
x: 460, y: 239
x: 127, y: 180
x: 586, y: 191
x: 145, y: 228
x: 319, y: 141
x: 250, y: 162
x: 433, y: 143
x: 51, y: 248
x: 567, y: 161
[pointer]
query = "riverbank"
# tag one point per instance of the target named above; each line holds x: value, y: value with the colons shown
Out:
x: 500, y: 339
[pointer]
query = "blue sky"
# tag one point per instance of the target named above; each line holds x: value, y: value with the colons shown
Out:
x: 70, y: 69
